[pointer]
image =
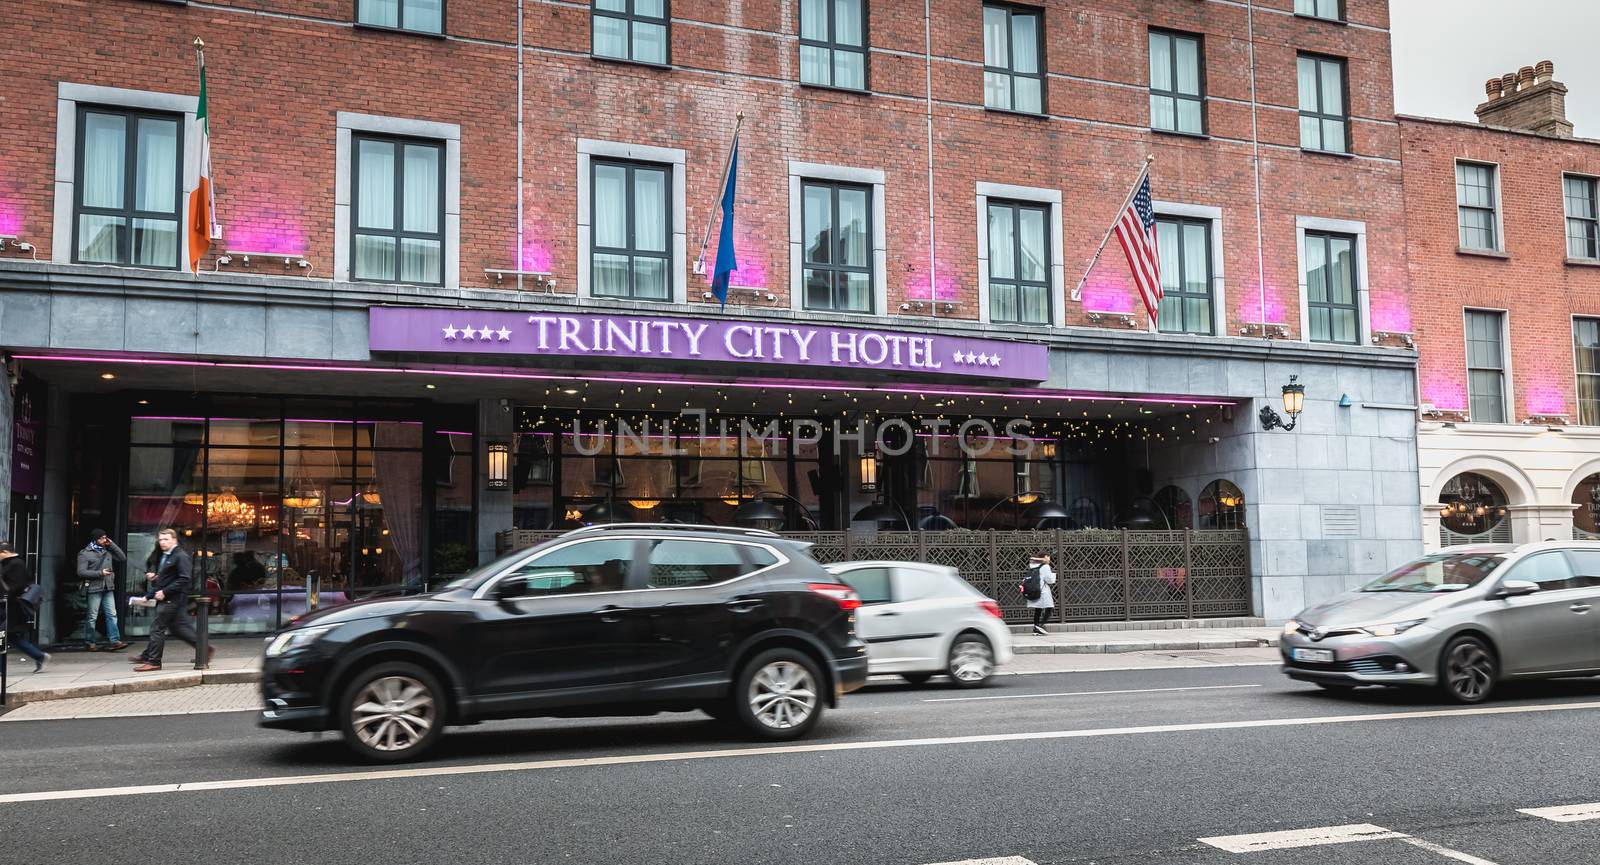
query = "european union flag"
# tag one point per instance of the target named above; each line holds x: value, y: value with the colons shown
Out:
x: 726, y: 262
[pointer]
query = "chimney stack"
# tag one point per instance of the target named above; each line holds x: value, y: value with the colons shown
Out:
x: 1529, y: 99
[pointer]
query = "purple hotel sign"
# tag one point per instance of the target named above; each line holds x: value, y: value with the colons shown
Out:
x: 494, y: 332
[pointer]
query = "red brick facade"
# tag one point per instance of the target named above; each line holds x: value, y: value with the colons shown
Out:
x: 1533, y: 281
x: 280, y: 70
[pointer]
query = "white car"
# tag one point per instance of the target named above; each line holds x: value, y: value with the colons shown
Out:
x: 922, y: 620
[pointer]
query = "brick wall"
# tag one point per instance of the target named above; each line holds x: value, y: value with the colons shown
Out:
x: 280, y: 69
x: 1535, y: 284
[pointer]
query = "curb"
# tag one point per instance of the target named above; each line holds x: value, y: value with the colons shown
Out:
x: 163, y: 682
x: 1112, y: 648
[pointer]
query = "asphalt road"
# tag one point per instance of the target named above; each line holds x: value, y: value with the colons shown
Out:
x: 1049, y: 768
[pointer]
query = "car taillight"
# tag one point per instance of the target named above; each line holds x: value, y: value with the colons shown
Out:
x: 846, y: 596
x: 991, y: 608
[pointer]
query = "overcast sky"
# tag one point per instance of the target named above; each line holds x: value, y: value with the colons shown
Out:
x: 1444, y: 50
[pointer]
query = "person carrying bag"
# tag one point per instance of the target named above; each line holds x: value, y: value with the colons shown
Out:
x: 24, y: 597
x: 1036, y: 588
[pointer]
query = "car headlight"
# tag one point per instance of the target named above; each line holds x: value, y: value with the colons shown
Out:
x: 1391, y: 629
x: 299, y: 638
x: 1290, y: 627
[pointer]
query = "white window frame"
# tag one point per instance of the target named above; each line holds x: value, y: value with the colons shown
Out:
x: 1302, y: 224
x: 1505, y: 361
x: 1574, y: 175
x: 1219, y: 293
x: 873, y: 177
x: 1032, y: 195
x: 68, y: 97
x: 1499, y: 211
x: 1577, y: 377
x: 674, y: 157
x: 346, y: 123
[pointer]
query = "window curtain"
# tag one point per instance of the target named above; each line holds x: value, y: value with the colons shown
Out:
x: 399, y: 478
x: 155, y: 241
x: 375, y: 205
x: 104, y: 159
x: 419, y: 258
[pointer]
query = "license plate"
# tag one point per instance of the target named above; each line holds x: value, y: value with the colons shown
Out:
x: 1318, y: 656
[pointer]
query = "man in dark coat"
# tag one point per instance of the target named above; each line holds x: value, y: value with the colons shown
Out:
x: 15, y: 579
x: 169, y: 588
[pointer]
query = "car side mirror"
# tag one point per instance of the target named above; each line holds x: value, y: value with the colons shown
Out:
x: 1514, y: 588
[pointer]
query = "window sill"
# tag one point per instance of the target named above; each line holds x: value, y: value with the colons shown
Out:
x: 593, y: 296
x: 1338, y: 154
x: 830, y: 88
x: 1304, y: 17
x: 1014, y: 113
x: 1583, y: 262
x: 624, y: 61
x: 176, y: 268
x: 379, y: 28
x: 1483, y: 253
x: 1176, y: 133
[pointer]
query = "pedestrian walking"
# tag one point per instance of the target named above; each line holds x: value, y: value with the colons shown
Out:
x: 22, y: 604
x: 97, y: 569
x: 1039, y: 571
x: 170, y: 581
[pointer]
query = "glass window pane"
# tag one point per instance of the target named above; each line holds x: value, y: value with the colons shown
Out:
x: 381, y: 13
x: 156, y: 176
x: 649, y: 8
x: 850, y: 69
x: 1341, y: 271
x: 1167, y: 249
x: 819, y: 289
x: 1002, y: 243
x: 99, y: 238
x: 853, y: 243
x: 1188, y: 66
x: 855, y: 291
x: 1035, y: 304
x: 375, y: 179
x: 1306, y: 74
x: 155, y: 242
x: 847, y: 29
x: 1025, y: 43
x: 1034, y: 264
x: 1320, y: 329
x: 1163, y: 113
x: 1189, y: 118
x: 104, y: 159
x: 815, y: 65
x: 1029, y: 95
x: 1197, y: 314
x: 421, y: 174
x: 1328, y: 9
x: 650, y: 278
x: 1316, y: 270
x: 419, y: 260
x: 1344, y: 325
x: 1332, y: 87
x: 610, y: 206
x: 591, y: 566
x: 610, y: 275
x: 693, y: 563
x: 814, y: 20
x: 1160, y: 61
x: 1333, y: 136
x: 997, y: 90
x: 1003, y: 302
x: 995, y: 49
x: 818, y: 218
x: 1310, y: 133
x: 425, y: 15
x: 612, y: 5
x: 1196, y: 254
x: 649, y: 42
x: 650, y: 209
x: 374, y: 258
x: 610, y: 36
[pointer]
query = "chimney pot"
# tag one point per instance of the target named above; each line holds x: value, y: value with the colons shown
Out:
x: 1543, y: 71
x: 1524, y: 77
x: 1508, y: 83
x: 1491, y: 88
x: 1529, y: 99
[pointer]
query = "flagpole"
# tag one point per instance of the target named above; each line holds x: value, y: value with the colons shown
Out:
x: 727, y: 165
x: 1077, y: 290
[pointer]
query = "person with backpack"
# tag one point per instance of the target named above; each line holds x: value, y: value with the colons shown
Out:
x: 1036, y: 588
x: 23, y: 598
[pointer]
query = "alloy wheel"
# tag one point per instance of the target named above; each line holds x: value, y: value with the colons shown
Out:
x: 782, y: 695
x: 393, y: 713
x: 1469, y: 671
x: 971, y: 661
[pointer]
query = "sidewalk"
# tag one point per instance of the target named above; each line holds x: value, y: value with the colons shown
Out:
x: 1144, y: 640
x: 97, y: 674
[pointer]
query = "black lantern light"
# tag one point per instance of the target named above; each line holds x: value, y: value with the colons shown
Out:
x: 1294, y: 399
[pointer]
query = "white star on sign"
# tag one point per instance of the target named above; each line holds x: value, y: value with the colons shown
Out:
x: 994, y: 360
x: 971, y: 358
x: 483, y: 333
x: 449, y: 331
x: 468, y: 333
x: 503, y: 333
x: 958, y: 357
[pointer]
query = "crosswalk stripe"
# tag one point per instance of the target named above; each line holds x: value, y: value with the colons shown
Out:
x: 1300, y: 838
x: 1565, y: 813
x: 1447, y: 852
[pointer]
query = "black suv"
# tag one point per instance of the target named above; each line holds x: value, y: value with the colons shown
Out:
x: 610, y: 620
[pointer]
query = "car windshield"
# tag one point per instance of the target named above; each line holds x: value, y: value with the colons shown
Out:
x: 1442, y: 572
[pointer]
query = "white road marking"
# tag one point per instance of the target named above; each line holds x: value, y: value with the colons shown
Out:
x: 1089, y: 693
x: 1447, y: 852
x: 1565, y: 813
x: 1284, y: 840
x: 1003, y: 860
x: 821, y: 747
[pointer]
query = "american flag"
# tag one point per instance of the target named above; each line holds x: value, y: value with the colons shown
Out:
x: 1136, y: 231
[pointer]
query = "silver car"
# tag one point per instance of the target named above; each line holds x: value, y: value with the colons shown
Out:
x: 1461, y: 619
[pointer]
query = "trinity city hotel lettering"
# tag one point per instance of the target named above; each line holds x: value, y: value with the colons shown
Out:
x: 742, y: 341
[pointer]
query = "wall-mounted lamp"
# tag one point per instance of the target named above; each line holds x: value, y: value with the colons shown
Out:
x: 539, y: 278
x: 1294, y: 399
x: 499, y: 466
x: 869, y: 472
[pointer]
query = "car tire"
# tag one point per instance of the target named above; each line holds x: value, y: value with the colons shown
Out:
x: 971, y: 660
x: 917, y: 678
x: 778, y: 695
x: 392, y: 712
x: 1468, y: 670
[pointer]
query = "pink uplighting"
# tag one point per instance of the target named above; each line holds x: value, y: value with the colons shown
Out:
x: 262, y: 226
x: 1391, y: 314
x: 752, y: 269
x: 1445, y: 392
x: 1250, y: 308
x: 946, y: 286
x: 1107, y: 295
x: 10, y: 208
x: 536, y: 256
x: 1546, y: 399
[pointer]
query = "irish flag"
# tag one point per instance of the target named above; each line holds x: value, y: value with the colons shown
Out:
x: 202, y: 207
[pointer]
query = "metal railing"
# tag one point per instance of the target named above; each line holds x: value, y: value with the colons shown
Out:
x: 1101, y: 574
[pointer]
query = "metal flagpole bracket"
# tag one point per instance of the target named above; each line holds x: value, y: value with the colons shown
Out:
x: 1077, y: 290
